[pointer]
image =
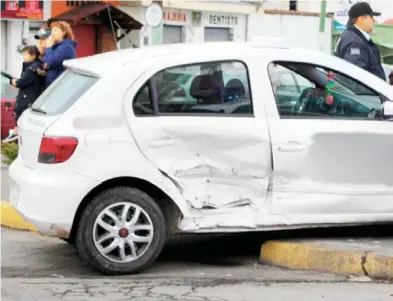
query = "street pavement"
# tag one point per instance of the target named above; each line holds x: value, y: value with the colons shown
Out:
x: 34, y: 267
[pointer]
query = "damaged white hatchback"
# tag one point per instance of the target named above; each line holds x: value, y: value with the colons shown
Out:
x: 129, y: 147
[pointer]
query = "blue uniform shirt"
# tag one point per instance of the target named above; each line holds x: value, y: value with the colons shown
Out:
x: 354, y: 47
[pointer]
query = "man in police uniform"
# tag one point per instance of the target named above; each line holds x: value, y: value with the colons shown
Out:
x: 355, y: 44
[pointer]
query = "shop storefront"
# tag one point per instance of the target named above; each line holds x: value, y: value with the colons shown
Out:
x: 188, y: 26
x: 91, y: 24
x: 16, y: 17
x: 223, y: 27
x: 175, y: 25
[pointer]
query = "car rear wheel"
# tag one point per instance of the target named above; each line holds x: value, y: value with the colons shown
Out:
x: 121, y: 231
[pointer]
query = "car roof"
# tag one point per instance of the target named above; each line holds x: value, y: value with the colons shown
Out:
x: 114, y: 61
x: 104, y: 62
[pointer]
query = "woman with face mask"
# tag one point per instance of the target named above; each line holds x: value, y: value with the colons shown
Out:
x: 60, y: 47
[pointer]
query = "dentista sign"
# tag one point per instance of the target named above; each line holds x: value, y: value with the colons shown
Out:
x: 223, y: 20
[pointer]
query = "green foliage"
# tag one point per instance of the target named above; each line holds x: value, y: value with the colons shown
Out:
x: 9, y: 151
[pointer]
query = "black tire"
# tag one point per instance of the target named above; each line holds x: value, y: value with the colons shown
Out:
x: 84, y: 236
x: 69, y: 241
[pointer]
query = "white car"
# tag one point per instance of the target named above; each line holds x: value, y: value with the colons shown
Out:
x: 106, y: 164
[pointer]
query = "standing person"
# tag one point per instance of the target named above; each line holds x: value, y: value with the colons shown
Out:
x: 29, y: 85
x: 391, y: 78
x: 355, y: 44
x: 42, y: 37
x: 62, y: 47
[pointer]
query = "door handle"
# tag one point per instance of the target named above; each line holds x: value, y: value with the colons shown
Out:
x: 291, y: 147
x: 162, y: 142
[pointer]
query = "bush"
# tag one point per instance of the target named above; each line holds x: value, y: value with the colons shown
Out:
x: 9, y: 151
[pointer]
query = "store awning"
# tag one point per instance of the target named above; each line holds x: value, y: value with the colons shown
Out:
x: 99, y: 13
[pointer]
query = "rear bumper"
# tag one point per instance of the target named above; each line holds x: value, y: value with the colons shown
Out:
x: 47, y: 200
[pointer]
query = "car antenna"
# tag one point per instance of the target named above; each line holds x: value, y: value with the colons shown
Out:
x: 113, y: 28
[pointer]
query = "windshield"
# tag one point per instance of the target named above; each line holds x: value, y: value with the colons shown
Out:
x: 7, y: 91
x: 63, y: 93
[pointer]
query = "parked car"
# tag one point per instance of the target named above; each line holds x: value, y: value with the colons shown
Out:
x: 117, y: 178
x: 8, y: 99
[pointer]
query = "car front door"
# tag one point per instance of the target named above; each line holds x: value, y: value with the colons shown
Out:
x: 216, y: 157
x: 332, y: 153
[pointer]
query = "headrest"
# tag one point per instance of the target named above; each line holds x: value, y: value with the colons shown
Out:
x: 203, y: 87
x: 235, y: 87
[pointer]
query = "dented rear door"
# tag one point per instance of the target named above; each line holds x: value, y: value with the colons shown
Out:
x: 215, y: 160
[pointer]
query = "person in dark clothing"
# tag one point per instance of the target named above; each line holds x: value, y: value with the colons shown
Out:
x: 355, y: 44
x: 29, y: 84
x: 61, y: 47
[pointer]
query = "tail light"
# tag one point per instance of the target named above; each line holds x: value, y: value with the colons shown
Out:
x: 56, y: 149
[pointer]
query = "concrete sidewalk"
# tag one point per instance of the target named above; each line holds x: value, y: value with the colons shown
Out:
x: 350, y: 257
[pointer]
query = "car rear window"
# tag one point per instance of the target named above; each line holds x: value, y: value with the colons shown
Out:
x: 63, y: 93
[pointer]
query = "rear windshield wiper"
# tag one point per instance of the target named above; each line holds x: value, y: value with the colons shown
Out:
x: 38, y: 110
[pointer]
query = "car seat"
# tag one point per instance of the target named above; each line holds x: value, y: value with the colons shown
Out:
x: 234, y: 90
x: 204, y: 89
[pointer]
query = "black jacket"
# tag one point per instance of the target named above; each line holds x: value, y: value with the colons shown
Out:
x: 30, y: 86
x: 353, y: 47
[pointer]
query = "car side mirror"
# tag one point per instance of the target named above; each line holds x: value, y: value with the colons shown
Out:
x: 387, y: 110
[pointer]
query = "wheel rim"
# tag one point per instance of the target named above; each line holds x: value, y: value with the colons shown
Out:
x: 123, y: 232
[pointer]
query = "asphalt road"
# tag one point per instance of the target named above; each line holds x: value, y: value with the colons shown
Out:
x: 212, y: 269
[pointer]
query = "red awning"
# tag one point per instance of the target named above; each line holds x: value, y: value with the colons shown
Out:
x: 98, y: 13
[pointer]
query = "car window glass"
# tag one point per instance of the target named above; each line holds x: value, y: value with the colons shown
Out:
x: 206, y: 88
x: 63, y: 93
x: 325, y: 93
x: 143, y: 102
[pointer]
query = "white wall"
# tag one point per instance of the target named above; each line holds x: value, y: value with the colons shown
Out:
x: 383, y: 6
x: 16, y: 29
x: 3, y: 43
x: 299, y: 31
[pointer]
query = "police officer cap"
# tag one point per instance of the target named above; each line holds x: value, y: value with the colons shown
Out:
x: 361, y: 9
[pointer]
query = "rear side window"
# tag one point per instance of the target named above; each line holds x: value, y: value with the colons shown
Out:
x: 63, y: 93
x: 218, y: 88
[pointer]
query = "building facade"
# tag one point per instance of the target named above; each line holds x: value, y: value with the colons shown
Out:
x: 193, y: 22
x: 21, y: 20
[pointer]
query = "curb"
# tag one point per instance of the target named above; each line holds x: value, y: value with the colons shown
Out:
x: 305, y: 256
x: 10, y: 218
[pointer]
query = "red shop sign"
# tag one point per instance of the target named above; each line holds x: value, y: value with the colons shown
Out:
x: 29, y: 9
x: 174, y: 17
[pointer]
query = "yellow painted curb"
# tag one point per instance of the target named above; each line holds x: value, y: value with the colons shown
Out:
x: 301, y: 256
x: 10, y: 218
x: 379, y: 267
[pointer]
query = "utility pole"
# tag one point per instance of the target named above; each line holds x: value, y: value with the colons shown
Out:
x: 322, y: 25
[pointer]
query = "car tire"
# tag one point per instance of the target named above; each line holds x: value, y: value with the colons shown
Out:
x: 67, y: 240
x: 91, y: 220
